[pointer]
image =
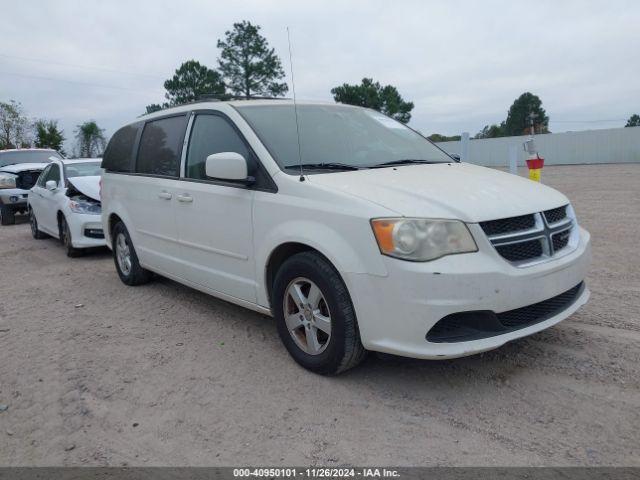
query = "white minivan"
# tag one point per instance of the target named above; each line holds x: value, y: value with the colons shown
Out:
x: 355, y: 232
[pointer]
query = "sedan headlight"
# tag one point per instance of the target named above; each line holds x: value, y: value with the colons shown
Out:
x: 421, y: 239
x: 7, y: 180
x: 82, y: 206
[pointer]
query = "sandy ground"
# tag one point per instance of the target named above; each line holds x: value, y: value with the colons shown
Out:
x: 97, y: 373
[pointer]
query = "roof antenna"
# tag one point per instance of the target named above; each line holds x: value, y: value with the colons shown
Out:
x: 295, y: 108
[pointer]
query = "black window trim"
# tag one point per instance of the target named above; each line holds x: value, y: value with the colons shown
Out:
x: 270, y: 186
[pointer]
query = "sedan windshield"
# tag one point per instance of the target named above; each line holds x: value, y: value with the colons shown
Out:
x: 26, y: 156
x: 337, y: 134
x: 84, y: 169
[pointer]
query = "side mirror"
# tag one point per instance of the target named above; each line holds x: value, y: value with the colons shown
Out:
x: 227, y: 166
x: 455, y: 156
x: 51, y: 185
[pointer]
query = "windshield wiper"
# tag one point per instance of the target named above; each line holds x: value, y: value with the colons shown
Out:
x: 406, y: 161
x: 325, y: 166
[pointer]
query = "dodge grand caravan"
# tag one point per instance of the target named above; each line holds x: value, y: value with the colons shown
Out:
x: 356, y: 234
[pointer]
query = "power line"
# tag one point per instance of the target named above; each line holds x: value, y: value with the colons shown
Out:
x: 88, y: 67
x: 79, y: 83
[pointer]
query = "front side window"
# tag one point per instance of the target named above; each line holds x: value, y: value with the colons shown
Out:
x: 211, y: 134
x: 54, y: 174
x: 341, y: 134
x: 42, y: 179
x: 161, y: 146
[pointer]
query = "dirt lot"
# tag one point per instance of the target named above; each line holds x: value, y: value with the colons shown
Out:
x: 96, y: 373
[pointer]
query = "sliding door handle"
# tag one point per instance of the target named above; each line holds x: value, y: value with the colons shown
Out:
x: 165, y: 195
x: 184, y: 198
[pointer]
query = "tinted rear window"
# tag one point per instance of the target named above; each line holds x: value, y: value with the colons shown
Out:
x: 161, y: 146
x: 119, y: 154
x: 27, y: 156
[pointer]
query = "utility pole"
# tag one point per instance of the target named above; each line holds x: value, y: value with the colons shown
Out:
x: 532, y: 117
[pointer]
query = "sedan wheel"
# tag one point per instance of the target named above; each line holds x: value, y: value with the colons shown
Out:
x: 307, y: 316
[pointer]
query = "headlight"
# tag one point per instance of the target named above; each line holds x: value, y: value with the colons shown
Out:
x: 82, y: 206
x: 7, y: 180
x: 421, y: 239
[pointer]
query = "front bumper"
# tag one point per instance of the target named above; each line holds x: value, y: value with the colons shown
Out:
x: 395, y: 312
x: 86, y: 230
x: 14, y: 197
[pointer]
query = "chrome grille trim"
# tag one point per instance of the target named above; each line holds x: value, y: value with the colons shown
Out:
x: 544, y: 232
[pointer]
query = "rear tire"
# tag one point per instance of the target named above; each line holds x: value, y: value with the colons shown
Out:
x: 35, y: 231
x: 318, y: 327
x: 7, y: 215
x: 126, y: 259
x: 66, y: 239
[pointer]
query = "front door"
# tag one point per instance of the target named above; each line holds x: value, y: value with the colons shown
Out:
x: 214, y: 218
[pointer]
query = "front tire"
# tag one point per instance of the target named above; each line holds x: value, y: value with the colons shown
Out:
x: 35, y: 231
x: 66, y: 239
x: 126, y: 259
x: 314, y: 314
x: 7, y: 215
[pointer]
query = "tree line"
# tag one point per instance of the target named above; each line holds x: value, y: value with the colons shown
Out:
x: 18, y: 131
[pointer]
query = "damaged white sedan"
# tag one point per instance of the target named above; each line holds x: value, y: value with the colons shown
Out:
x: 65, y: 204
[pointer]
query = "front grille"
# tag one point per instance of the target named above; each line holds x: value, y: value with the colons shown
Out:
x: 474, y: 325
x: 517, y: 252
x: 27, y: 179
x: 561, y: 240
x: 556, y: 214
x: 508, y: 225
x: 531, y: 238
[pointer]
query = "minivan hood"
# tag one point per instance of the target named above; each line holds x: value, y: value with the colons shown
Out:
x: 89, y: 186
x: 446, y: 190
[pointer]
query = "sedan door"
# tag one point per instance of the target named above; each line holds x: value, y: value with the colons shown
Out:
x: 214, y: 217
x: 47, y: 211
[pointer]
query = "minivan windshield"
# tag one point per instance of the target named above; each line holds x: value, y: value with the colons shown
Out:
x: 335, y: 136
x: 26, y: 156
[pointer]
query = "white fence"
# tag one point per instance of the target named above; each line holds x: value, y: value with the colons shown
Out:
x: 614, y: 145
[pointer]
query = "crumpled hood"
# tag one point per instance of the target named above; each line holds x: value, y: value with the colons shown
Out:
x: 22, y: 167
x: 458, y: 190
x: 89, y: 186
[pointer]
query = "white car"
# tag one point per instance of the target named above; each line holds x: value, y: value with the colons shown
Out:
x: 65, y: 204
x: 357, y: 234
x: 19, y: 171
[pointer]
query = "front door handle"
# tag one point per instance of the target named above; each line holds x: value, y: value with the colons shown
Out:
x: 184, y: 198
x: 165, y: 195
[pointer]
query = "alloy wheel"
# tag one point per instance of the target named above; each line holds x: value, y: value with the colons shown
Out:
x: 307, y: 316
x: 123, y: 254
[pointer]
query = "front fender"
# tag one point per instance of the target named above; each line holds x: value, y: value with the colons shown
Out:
x: 351, y: 249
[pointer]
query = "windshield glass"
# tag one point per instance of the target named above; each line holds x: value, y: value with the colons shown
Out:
x: 27, y: 156
x: 84, y: 169
x: 337, y: 134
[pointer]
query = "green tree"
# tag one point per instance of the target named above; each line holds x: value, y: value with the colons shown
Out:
x: 492, y: 131
x: 156, y: 107
x: 15, y: 127
x: 247, y: 63
x: 372, y: 95
x: 436, y: 137
x: 90, y: 140
x: 634, y: 121
x: 48, y: 135
x: 518, y: 118
x: 191, y: 80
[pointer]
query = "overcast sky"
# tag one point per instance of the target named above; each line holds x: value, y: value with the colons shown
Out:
x: 461, y: 62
